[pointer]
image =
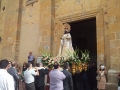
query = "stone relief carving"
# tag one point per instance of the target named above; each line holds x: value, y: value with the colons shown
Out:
x: 30, y: 1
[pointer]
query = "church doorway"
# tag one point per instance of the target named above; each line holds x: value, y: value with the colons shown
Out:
x: 83, y: 35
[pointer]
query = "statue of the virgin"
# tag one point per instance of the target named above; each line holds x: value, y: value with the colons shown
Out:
x: 66, y: 41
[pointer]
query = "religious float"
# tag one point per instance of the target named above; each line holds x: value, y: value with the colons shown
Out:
x: 77, y: 59
x: 76, y: 63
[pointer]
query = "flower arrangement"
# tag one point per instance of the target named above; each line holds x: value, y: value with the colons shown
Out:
x: 83, y: 63
x: 70, y: 57
x: 48, y: 59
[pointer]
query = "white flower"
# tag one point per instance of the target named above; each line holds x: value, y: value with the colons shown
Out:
x: 52, y: 62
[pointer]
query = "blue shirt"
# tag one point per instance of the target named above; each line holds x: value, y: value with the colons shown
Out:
x: 30, y: 58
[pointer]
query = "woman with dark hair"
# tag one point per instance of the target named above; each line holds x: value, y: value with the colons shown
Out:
x: 24, y: 68
x: 102, y: 79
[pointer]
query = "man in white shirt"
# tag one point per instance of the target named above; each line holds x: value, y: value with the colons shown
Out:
x: 6, y: 80
x: 29, y: 77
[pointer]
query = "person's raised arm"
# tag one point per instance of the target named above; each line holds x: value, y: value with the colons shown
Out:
x: 62, y: 76
x: 37, y: 72
x: 105, y: 70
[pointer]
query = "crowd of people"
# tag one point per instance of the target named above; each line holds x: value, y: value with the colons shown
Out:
x: 12, y: 77
x: 32, y: 78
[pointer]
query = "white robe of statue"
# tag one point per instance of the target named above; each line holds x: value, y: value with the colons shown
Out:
x: 65, y: 45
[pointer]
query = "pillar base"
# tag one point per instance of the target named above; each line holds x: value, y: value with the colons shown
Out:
x: 111, y: 86
x: 112, y: 83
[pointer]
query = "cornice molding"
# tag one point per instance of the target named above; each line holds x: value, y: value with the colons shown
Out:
x: 78, y: 16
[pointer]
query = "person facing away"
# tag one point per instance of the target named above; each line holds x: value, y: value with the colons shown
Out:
x: 13, y: 72
x: 29, y: 77
x: 6, y: 80
x: 83, y: 81
x: 39, y: 80
x: 67, y: 82
x: 56, y: 78
x: 94, y: 74
x: 31, y: 58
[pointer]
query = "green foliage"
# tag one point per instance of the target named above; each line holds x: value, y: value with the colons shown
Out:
x: 85, y: 56
x: 73, y: 57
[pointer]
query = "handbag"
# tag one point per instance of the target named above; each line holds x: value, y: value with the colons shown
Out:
x: 98, y: 78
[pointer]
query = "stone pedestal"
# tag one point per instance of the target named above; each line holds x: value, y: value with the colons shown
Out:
x: 112, y: 83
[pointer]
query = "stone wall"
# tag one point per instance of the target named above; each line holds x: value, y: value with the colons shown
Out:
x: 9, y: 27
x: 44, y: 17
x: 26, y: 26
x: 76, y: 10
x: 30, y: 30
x: 114, y: 32
x: 2, y: 19
x: 46, y: 25
x: 68, y: 10
x: 19, y: 29
x: 37, y: 26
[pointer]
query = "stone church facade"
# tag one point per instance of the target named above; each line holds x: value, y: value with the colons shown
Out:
x: 36, y: 25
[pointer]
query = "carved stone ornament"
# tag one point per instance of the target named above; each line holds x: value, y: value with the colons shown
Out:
x: 30, y: 2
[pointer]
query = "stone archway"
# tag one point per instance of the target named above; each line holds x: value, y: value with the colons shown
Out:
x: 102, y: 55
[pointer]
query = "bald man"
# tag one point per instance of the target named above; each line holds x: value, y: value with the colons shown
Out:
x: 31, y: 58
